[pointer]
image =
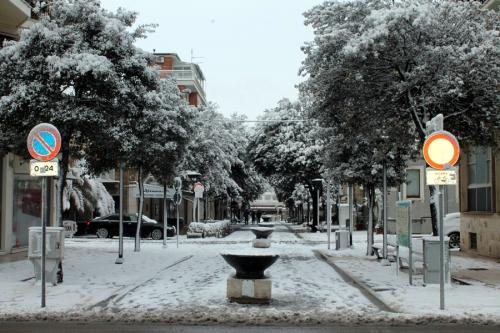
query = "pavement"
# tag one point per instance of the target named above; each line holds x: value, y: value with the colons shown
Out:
x: 64, y: 327
x: 485, y: 270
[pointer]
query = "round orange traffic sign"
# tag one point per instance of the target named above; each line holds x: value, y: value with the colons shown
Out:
x: 441, y: 150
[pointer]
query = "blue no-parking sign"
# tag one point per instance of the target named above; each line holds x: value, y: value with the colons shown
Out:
x: 44, y: 142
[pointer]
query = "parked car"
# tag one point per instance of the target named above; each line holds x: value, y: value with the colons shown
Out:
x: 451, y: 226
x: 108, y: 226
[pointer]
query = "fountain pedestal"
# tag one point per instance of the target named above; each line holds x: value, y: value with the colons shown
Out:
x: 251, y: 291
x: 249, y: 285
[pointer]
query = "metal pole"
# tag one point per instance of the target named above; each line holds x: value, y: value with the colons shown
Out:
x: 410, y: 248
x: 351, y: 214
x: 384, y: 198
x: 441, y: 253
x: 119, y: 260
x: 317, y: 209
x: 45, y: 214
x: 165, y: 217
x: 328, y: 212
x: 177, y: 231
x: 198, y: 209
x: 194, y: 209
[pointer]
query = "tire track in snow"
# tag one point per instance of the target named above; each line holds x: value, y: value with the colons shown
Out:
x: 123, y: 291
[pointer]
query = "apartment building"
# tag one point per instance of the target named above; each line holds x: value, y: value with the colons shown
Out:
x: 189, y: 76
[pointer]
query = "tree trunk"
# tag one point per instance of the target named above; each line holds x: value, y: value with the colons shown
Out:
x: 422, y: 133
x: 165, y: 214
x: 315, y: 208
x: 137, y: 247
x: 61, y: 180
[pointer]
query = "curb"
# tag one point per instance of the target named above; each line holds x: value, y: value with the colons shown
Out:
x: 363, y: 287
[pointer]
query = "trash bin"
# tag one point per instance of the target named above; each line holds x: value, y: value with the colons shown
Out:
x: 431, y: 248
x: 341, y: 239
x: 54, y: 251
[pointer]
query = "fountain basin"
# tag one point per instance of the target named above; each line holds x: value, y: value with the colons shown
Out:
x: 262, y: 232
x: 251, y: 265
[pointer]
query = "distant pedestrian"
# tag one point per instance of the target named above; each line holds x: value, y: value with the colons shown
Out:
x: 253, y: 217
x: 259, y: 214
x: 246, y: 213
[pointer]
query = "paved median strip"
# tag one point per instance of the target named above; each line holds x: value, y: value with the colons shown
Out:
x: 349, y: 278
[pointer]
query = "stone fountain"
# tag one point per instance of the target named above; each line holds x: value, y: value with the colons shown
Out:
x: 249, y: 285
x: 261, y: 234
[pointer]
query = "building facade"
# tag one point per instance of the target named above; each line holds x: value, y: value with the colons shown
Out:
x: 480, y: 200
x: 480, y: 194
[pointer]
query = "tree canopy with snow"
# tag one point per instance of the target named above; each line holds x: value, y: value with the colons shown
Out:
x: 78, y: 69
x: 286, y: 149
x: 218, y: 152
x: 400, y: 63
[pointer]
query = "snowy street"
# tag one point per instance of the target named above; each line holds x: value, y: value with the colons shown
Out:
x: 188, y: 284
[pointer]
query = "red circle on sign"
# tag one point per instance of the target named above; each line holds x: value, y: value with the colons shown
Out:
x: 454, y: 152
x: 44, y: 142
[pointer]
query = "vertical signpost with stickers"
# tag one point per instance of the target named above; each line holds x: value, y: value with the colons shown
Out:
x: 44, y: 143
x: 404, y: 232
x: 441, y: 152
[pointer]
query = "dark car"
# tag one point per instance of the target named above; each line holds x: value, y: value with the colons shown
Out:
x: 108, y: 226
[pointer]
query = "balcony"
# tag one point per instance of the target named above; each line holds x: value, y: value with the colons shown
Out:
x: 188, y: 78
x: 13, y: 14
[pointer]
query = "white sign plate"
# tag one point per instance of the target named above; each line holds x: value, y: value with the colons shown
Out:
x: 44, y: 169
x: 441, y: 177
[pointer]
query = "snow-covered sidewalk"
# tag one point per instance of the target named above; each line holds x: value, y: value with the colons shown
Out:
x: 188, y: 285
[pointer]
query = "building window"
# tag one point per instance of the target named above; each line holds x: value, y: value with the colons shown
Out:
x: 479, y: 187
x: 414, y: 185
x: 27, y: 208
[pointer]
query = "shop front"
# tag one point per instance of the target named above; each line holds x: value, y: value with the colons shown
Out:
x: 21, y: 203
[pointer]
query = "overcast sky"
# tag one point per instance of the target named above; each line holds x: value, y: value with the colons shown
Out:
x: 250, y: 48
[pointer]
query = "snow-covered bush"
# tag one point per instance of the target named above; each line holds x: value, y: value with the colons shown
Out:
x: 210, y: 228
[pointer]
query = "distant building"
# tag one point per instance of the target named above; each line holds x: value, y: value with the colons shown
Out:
x: 268, y: 204
x: 189, y: 77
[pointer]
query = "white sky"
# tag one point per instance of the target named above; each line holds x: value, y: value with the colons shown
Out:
x: 251, y: 49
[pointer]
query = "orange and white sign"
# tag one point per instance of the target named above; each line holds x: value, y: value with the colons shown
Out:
x: 441, y: 150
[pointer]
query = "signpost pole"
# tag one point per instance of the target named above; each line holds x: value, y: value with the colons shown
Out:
x: 317, y: 209
x: 45, y: 211
x: 351, y: 213
x: 44, y: 143
x: 165, y: 217
x: 441, y: 252
x: 119, y: 260
x: 177, y: 231
x: 384, y: 198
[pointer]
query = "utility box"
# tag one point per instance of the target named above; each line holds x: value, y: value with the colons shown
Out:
x: 431, y: 249
x: 342, y: 239
x: 54, y: 251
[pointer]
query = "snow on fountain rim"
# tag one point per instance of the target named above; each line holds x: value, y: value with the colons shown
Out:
x: 251, y: 252
x: 262, y: 228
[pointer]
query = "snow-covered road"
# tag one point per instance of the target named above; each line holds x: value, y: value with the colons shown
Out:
x: 188, y: 284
